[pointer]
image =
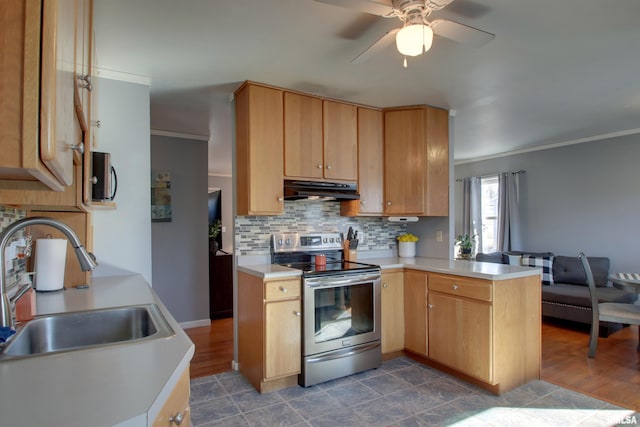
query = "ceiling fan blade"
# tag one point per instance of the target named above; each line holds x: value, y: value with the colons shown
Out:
x: 376, y: 47
x: 461, y: 33
x: 438, y: 4
x: 374, y: 7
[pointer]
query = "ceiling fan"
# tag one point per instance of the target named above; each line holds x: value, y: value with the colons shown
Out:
x: 416, y: 34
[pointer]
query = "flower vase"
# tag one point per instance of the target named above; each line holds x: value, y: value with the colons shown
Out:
x: 407, y: 249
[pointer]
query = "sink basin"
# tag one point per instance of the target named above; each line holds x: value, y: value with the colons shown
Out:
x: 86, y: 329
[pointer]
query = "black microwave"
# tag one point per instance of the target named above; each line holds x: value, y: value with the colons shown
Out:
x: 104, y: 178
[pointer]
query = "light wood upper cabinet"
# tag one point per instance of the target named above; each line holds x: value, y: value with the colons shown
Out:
x: 320, y: 138
x: 392, y: 311
x: 57, y: 111
x: 416, y: 161
x: 340, y: 141
x: 259, y: 150
x: 415, y: 312
x: 303, y: 155
x: 83, y: 59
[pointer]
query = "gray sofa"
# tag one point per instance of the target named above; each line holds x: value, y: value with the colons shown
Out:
x: 567, y: 296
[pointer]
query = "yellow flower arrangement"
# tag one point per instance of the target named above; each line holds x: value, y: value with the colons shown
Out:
x: 408, y: 237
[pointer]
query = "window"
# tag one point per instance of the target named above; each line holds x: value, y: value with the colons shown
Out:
x: 489, y: 213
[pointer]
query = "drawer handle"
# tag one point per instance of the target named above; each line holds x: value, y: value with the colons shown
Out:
x: 297, y: 313
x: 283, y: 289
x: 455, y: 287
x: 177, y: 419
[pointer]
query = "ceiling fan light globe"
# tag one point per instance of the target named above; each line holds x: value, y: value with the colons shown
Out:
x: 412, y: 40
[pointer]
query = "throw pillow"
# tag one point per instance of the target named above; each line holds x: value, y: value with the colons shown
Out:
x: 515, y: 259
x: 544, y: 262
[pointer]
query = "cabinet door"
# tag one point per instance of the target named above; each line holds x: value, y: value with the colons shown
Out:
x: 259, y: 151
x: 282, y: 338
x: 370, y: 161
x: 177, y: 405
x: 83, y: 61
x: 415, y: 311
x: 57, y: 112
x: 404, y: 161
x: 340, y: 141
x: 302, y: 136
x: 392, y: 312
x: 460, y: 334
x: 437, y: 191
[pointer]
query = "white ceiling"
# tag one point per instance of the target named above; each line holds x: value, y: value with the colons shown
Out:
x: 557, y: 70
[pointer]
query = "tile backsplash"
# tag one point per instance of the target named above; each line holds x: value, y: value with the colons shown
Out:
x: 301, y: 216
x: 7, y: 217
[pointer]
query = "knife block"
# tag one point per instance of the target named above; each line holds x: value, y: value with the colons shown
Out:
x: 349, y: 254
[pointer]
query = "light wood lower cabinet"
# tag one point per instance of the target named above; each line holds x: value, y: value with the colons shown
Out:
x: 176, y: 410
x: 487, y: 330
x: 269, y: 331
x: 392, y: 311
x: 415, y: 312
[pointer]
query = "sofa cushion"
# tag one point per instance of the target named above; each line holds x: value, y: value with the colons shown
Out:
x: 544, y: 262
x: 569, y: 270
x: 494, y: 257
x: 579, y: 295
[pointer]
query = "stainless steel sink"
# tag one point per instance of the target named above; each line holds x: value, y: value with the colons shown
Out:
x: 87, y: 329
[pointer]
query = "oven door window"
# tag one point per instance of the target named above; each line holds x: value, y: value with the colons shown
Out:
x: 343, y: 311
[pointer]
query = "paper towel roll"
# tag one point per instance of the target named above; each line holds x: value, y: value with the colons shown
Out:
x: 50, y: 259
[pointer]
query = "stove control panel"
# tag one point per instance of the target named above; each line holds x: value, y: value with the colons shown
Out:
x: 306, y: 242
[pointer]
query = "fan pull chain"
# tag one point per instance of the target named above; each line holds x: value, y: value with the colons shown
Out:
x: 404, y: 63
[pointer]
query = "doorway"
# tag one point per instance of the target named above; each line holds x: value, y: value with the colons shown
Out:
x: 220, y: 265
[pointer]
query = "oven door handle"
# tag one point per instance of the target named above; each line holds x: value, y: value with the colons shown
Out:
x: 332, y: 281
x: 345, y: 353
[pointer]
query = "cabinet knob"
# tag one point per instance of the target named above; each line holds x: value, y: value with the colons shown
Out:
x: 454, y: 287
x: 79, y: 147
x: 283, y: 289
x: 362, y: 202
x: 319, y: 165
x: 281, y: 199
x: 94, y: 180
x: 384, y: 285
x: 297, y: 313
x: 430, y: 305
x: 388, y: 203
x: 328, y: 166
x: 176, y: 419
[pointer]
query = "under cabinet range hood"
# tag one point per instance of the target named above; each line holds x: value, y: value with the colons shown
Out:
x: 319, y: 190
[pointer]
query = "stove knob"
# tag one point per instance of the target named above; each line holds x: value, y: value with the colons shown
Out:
x: 331, y: 240
x: 338, y: 240
x: 325, y: 240
x: 288, y: 242
x: 279, y: 242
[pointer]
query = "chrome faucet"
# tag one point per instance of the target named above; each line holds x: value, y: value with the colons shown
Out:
x: 86, y: 259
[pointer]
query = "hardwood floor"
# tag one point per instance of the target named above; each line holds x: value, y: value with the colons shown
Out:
x: 613, y: 376
x: 214, y: 348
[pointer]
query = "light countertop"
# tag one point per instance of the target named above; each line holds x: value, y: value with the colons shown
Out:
x: 124, y: 384
x: 479, y: 270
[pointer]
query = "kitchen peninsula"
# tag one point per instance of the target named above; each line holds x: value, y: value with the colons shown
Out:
x: 479, y: 321
x: 130, y: 384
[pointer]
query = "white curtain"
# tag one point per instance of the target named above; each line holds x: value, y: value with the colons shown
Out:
x: 509, y: 235
x: 472, y: 209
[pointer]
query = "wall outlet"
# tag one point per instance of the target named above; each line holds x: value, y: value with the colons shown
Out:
x: 439, y: 236
x: 223, y: 229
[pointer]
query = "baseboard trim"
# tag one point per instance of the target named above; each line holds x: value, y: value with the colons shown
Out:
x: 195, y: 324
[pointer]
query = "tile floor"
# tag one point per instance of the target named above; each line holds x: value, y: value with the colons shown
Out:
x: 400, y: 393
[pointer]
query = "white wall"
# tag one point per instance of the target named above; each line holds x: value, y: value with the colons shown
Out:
x: 581, y: 197
x: 122, y: 237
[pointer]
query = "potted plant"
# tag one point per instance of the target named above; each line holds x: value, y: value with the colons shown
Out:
x: 214, y: 230
x: 407, y: 245
x: 465, y: 244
